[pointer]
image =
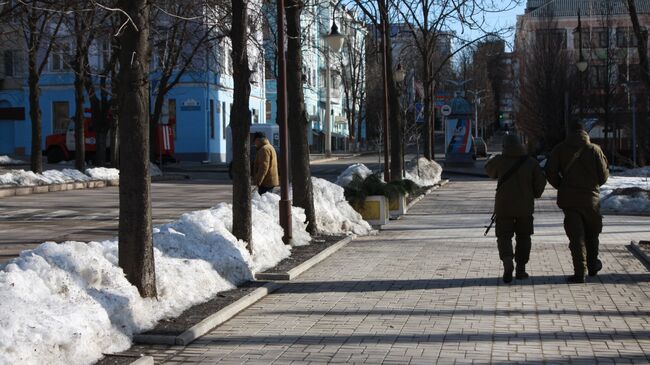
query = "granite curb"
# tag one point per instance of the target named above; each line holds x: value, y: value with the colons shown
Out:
x: 6, y: 192
x: 431, y: 190
x: 640, y: 253
x: 214, y: 320
x: 293, y: 273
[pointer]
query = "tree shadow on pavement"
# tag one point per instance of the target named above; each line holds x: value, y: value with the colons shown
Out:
x: 350, y: 286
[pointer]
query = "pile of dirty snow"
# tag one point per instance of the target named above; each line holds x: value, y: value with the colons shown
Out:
x: 6, y: 160
x: 638, y: 172
x: 624, y: 194
x: 29, y: 178
x: 103, y: 173
x: 424, y: 172
x: 357, y: 169
x: 334, y: 215
x: 68, y: 303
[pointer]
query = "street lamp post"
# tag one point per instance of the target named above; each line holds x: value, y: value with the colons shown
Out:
x: 335, y: 42
x: 399, y: 77
x: 285, y: 202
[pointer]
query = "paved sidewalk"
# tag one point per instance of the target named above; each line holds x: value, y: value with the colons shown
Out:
x: 427, y: 290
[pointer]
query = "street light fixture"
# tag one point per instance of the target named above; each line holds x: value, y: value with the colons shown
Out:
x: 400, y: 74
x: 335, y: 43
x: 335, y: 38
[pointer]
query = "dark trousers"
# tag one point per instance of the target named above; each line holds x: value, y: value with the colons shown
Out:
x: 506, y: 228
x: 582, y: 227
x: 264, y: 189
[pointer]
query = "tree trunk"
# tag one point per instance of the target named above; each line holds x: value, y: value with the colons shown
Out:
x: 79, y: 138
x: 240, y: 121
x: 35, y: 116
x: 303, y: 194
x: 428, y: 120
x: 395, y: 125
x: 135, y: 230
x: 642, y: 43
x: 34, y: 97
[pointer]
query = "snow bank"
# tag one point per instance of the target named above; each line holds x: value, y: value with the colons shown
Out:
x: 639, y: 172
x: 334, y: 215
x: 28, y: 178
x: 429, y: 172
x: 69, y: 303
x: 154, y: 170
x: 6, y: 160
x: 357, y: 169
x: 625, y: 195
x: 103, y: 173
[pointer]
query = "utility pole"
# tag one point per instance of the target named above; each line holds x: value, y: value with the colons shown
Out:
x: 285, y: 202
x: 385, y: 55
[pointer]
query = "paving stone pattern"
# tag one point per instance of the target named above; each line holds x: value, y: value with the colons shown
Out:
x: 427, y: 290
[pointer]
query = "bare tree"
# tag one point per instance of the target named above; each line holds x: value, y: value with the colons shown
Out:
x: 135, y: 231
x: 182, y: 36
x: 352, y: 64
x: 379, y: 13
x: 429, y: 23
x: 240, y: 120
x: 546, y: 79
x: 303, y: 195
x: 38, y: 23
x: 642, y: 42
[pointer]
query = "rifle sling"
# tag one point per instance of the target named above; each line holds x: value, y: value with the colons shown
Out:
x: 512, y: 171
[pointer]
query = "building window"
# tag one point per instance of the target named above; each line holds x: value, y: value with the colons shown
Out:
x: 554, y: 38
x: 223, y: 118
x: 598, y: 76
x: 13, y: 64
x: 625, y: 38
x: 61, y: 116
x: 60, y: 58
x: 595, y: 38
x: 211, y: 119
x: 104, y: 53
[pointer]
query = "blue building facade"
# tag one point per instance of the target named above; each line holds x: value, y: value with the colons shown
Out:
x: 198, y: 107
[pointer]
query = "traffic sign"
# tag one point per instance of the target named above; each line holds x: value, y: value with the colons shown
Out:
x: 445, y: 110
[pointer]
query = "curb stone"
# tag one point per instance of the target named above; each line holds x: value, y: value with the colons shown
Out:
x: 293, y: 273
x: 210, y: 322
x: 431, y: 190
x: 40, y: 189
x: 139, y: 360
x: 634, y: 246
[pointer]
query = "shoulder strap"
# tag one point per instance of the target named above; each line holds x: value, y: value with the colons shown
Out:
x: 573, y: 160
x: 512, y: 171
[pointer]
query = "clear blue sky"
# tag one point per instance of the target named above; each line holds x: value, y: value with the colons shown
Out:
x: 500, y: 20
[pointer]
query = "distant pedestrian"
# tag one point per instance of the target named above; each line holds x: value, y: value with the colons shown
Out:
x: 265, y: 169
x: 577, y: 169
x: 521, y: 181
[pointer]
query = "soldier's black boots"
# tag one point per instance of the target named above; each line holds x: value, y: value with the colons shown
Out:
x: 520, y: 273
x: 508, y: 268
x: 597, y: 266
x: 575, y: 279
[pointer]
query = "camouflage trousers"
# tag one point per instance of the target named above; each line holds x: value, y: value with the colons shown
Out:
x: 522, y: 229
x: 583, y: 226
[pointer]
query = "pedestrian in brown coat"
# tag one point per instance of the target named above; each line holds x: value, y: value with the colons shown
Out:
x: 577, y: 168
x: 521, y: 181
x: 265, y: 169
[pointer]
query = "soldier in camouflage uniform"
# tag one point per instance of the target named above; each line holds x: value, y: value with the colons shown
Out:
x: 514, y: 203
x: 578, y: 168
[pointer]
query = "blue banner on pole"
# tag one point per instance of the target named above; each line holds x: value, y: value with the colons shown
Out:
x: 419, y: 113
